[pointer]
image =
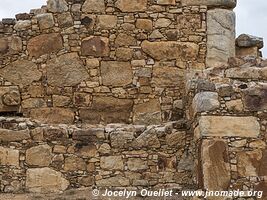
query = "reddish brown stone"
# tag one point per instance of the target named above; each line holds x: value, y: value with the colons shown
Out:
x: 44, y: 44
x: 95, y: 46
x: 255, y: 99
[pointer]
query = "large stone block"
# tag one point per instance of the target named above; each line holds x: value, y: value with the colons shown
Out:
x: 57, y: 6
x: 39, y: 155
x: 95, y: 46
x: 74, y: 163
x: 106, y: 21
x: 131, y: 5
x: 14, y: 136
x: 170, y: 50
x: 94, y: 6
x: 220, y: 37
x: 148, y: 112
x: 220, y: 126
x: 45, y: 44
x: 3, y: 45
x: 167, y: 76
x: 116, y: 181
x: 205, y: 101
x: 108, y: 110
x: 45, y: 180
x: 53, y: 115
x: 66, y: 70
x: 45, y: 20
x: 21, y: 72
x: 116, y: 73
x: 215, y: 165
x: 210, y: 3
x: 245, y: 40
x: 9, y: 157
x: 255, y: 98
x: 112, y: 163
x: 9, y: 99
x: 137, y: 164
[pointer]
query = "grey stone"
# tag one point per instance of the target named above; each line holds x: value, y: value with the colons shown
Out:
x: 57, y: 6
x: 205, y: 101
x: 245, y: 40
x: 45, y: 20
x: 210, y: 3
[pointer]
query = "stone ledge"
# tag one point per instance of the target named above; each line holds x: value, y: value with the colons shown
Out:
x: 227, y: 126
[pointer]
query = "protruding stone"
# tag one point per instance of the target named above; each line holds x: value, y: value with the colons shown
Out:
x: 220, y: 27
x: 205, y: 101
x: 45, y: 20
x: 94, y: 6
x: 112, y: 163
x: 21, y: 72
x: 45, y: 44
x: 39, y: 155
x: 214, y: 157
x: 221, y: 126
x: 22, y: 25
x: 9, y: 98
x: 95, y: 46
x: 65, y: 20
x: 45, y: 180
x: 210, y: 3
x: 245, y: 40
x: 9, y: 157
x: 57, y: 6
x: 255, y: 98
x: 131, y: 5
x: 53, y: 115
x: 116, y: 73
x: 66, y: 70
x: 170, y: 50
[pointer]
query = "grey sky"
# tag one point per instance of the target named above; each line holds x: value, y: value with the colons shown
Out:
x: 251, y: 14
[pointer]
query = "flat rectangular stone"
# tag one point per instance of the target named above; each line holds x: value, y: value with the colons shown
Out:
x: 14, y: 136
x: 228, y: 126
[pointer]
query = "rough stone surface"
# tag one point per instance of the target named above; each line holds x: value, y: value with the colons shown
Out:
x: 116, y: 181
x: 14, y: 136
x: 211, y: 3
x: 116, y: 73
x: 170, y: 50
x: 9, y: 157
x: 45, y: 21
x: 112, y: 163
x: 245, y: 40
x: 137, y: 164
x: 255, y: 98
x: 57, y: 6
x: 228, y: 126
x: 66, y: 70
x: 107, y: 21
x: 45, y: 180
x: 45, y: 44
x: 131, y: 5
x: 94, y: 6
x: 53, y: 115
x: 21, y: 72
x: 221, y: 27
x: 95, y: 46
x: 205, y: 101
x: 10, y: 99
x: 214, y: 158
x: 39, y: 156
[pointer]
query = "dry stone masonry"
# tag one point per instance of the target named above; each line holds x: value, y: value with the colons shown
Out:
x: 130, y: 94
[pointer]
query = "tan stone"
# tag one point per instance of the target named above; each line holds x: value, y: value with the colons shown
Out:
x: 9, y: 99
x: 53, y: 115
x: 124, y: 39
x: 124, y: 54
x: 148, y: 112
x: 74, y: 163
x: 120, y: 139
x: 82, y: 99
x: 235, y: 105
x: 211, y: 3
x: 104, y: 149
x: 116, y: 181
x: 44, y: 44
x: 61, y: 101
x: 111, y: 163
x: 86, y: 150
x: 57, y: 6
x: 45, y: 180
x: 214, y: 157
x: 166, y: 2
x: 106, y: 21
x: 45, y: 20
x: 137, y: 164
x: 116, y: 73
x: 15, y: 45
x: 33, y: 103
x: 95, y: 46
x: 221, y: 126
x: 87, y: 181
x: 3, y: 45
x: 248, y: 163
x: 162, y: 23
x: 175, y: 138
x: 131, y: 5
x: 65, y: 20
x: 39, y: 155
x: 144, y: 24
x: 94, y: 6
x: 21, y: 72
x: 66, y: 70
x: 170, y: 50
x: 248, y: 51
x: 9, y: 157
x: 147, y: 139
x: 14, y: 136
x: 167, y: 76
